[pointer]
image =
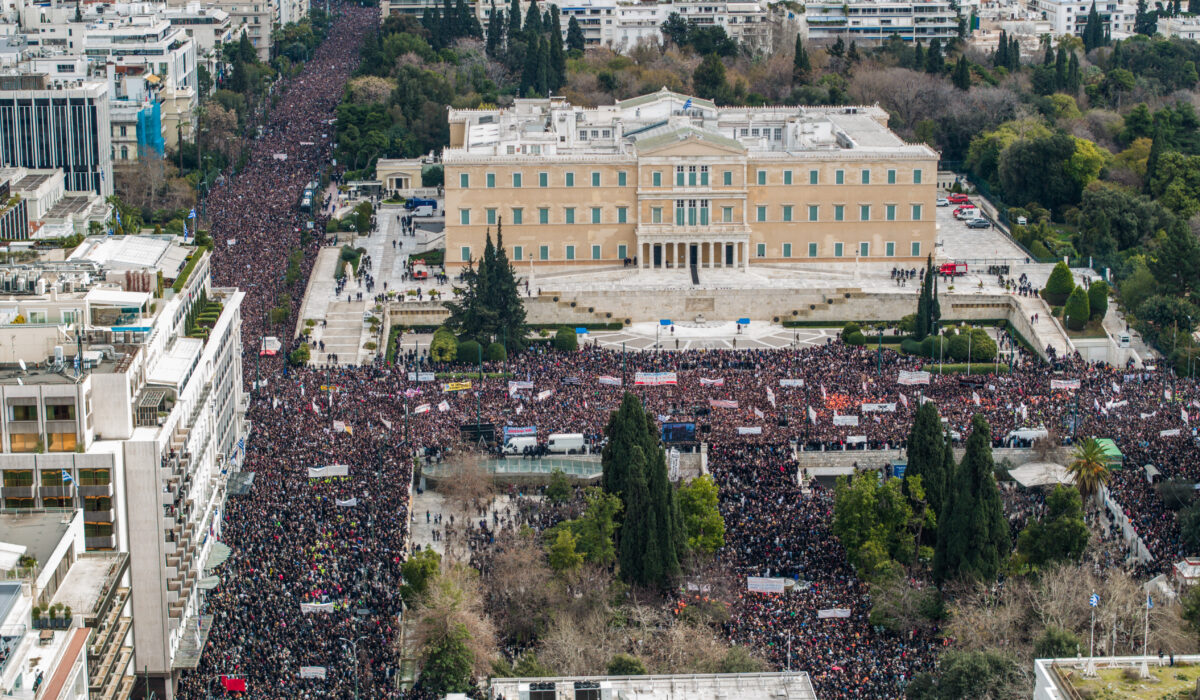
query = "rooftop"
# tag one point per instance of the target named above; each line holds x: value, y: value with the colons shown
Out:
x: 708, y: 686
x: 1117, y: 677
x: 39, y: 533
x: 90, y: 581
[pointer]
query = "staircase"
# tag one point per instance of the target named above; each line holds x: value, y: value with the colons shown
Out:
x: 695, y: 274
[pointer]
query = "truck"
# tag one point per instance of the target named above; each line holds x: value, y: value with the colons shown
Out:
x: 570, y: 443
x: 416, y: 202
x: 519, y: 444
x: 953, y: 269
x: 420, y: 271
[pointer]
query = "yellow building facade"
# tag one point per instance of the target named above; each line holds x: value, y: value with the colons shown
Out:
x: 675, y: 181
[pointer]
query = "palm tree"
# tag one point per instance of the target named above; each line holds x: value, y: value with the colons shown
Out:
x: 1089, y: 468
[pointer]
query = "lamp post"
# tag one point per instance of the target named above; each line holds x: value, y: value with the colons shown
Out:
x: 353, y: 642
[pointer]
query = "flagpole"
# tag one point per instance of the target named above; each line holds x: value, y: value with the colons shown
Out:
x: 1090, y: 671
x: 1146, y: 639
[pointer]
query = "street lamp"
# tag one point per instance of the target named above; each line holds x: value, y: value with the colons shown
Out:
x: 353, y: 642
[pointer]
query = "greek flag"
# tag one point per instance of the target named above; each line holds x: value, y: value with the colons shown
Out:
x: 1094, y: 600
x: 117, y: 212
x: 687, y: 105
x: 1149, y: 602
x: 185, y: 235
x: 192, y: 214
x: 66, y: 477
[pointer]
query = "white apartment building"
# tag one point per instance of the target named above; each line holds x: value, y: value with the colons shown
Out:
x: 1070, y: 17
x: 52, y: 210
x: 135, y: 391
x: 209, y: 27
x: 259, y: 17
x: 874, y: 21
x: 81, y: 650
x: 1181, y: 27
x: 292, y: 11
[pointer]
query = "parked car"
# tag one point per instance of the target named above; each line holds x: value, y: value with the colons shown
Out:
x: 958, y: 198
x: 979, y: 223
x: 966, y: 212
x: 943, y: 202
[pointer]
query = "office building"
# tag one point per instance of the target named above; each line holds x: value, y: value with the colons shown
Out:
x: 133, y: 389
x: 52, y: 124
x: 873, y: 21
x: 50, y: 209
x: 696, y: 686
x: 209, y: 27
x: 1180, y: 27
x: 1070, y: 17
x: 258, y: 19
x: 673, y: 181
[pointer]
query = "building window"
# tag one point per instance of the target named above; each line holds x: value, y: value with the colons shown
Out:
x: 787, y: 212
x: 889, y: 249
x: 787, y: 250
x: 762, y: 177
x: 37, y: 316
x: 812, y: 250
x: 812, y: 177
x: 491, y: 180
x: 727, y: 215
x: 543, y: 216
x: 691, y: 176
x: 916, y: 212
x: 464, y: 253
x: 727, y: 178
x: 29, y: 413
x: 595, y: 179
x: 787, y: 177
x: 916, y: 177
x: 622, y: 215
x: 760, y: 250
x: 516, y: 179
x: 916, y: 249
x: 864, y: 212
x: 570, y: 215
x: 890, y: 211
x: 679, y: 175
x: 837, y: 250
x: 491, y: 216
x: 464, y: 180
x: 866, y: 177
x: 891, y: 177
x: 543, y: 179
x: 69, y: 316
x: 622, y: 251
x: 813, y: 212
x: 656, y: 215
x: 762, y: 213
x: 656, y: 178
x: 704, y: 176
x: 518, y: 216
x: 839, y: 212
x: 621, y: 179
x: 595, y: 252
x: 839, y: 177
x: 570, y: 179
x: 864, y: 249
x: 464, y: 217
x: 570, y: 252
x: 680, y: 212
x: 595, y: 215
x: 544, y: 252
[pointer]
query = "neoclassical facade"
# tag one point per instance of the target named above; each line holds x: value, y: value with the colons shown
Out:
x: 676, y: 181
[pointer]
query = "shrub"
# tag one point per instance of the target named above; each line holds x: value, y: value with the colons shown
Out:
x: 974, y: 342
x: 299, y: 356
x: 1076, y: 312
x: 1098, y: 299
x: 626, y: 665
x: 849, y: 329
x: 935, y: 346
x: 496, y: 353
x: 331, y: 226
x: 469, y: 351
x: 1060, y: 285
x: 908, y: 324
x: 444, y: 347
x: 1056, y: 643
x: 854, y: 338
x: 566, y: 340
x: 912, y: 347
x: 1039, y: 250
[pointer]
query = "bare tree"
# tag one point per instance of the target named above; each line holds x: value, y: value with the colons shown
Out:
x: 453, y: 601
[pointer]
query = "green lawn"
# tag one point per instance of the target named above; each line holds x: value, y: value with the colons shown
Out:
x: 1094, y: 329
x: 1112, y: 684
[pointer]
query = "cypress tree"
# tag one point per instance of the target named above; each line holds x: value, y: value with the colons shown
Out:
x: 1060, y: 68
x: 558, y: 57
x: 494, y: 30
x: 504, y: 299
x: 1014, y: 54
x: 543, y: 67
x: 1092, y: 31
x: 962, y: 74
x: 533, y: 23
x: 614, y: 460
x: 1073, y: 80
x: 575, y: 40
x: 852, y: 53
x: 918, y: 57
x: 925, y: 458
x: 514, y: 21
x: 1047, y: 51
x: 921, y: 325
x: 1156, y: 149
x: 664, y: 509
x: 973, y: 537
x: 638, y: 555
x: 934, y: 61
x: 801, y: 66
x: 1194, y: 7
x: 1000, y: 59
x: 529, y: 74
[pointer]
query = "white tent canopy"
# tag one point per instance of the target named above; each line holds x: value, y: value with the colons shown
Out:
x: 1041, y: 474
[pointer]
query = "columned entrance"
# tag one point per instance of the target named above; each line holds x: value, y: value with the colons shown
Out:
x: 703, y: 251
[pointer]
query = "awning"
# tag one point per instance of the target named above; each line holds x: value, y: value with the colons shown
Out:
x: 1115, y: 458
x: 217, y: 555
x: 208, y: 583
x: 1040, y: 474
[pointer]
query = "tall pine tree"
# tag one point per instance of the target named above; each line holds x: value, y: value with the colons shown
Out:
x: 801, y: 65
x: 575, y: 40
x: 514, y: 22
x: 962, y: 74
x: 925, y: 455
x: 935, y: 63
x: 495, y: 31
x: 638, y: 554
x: 973, y: 539
x: 558, y: 56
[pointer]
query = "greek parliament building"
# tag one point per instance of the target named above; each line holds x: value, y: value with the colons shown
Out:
x: 677, y: 181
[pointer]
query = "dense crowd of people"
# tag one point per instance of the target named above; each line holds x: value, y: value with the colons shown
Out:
x: 335, y: 544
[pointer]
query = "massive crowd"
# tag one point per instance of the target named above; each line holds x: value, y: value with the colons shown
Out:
x: 336, y: 543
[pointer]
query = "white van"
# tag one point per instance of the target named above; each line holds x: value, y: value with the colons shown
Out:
x: 1028, y: 434
x: 571, y: 443
x: 424, y: 210
x: 516, y: 445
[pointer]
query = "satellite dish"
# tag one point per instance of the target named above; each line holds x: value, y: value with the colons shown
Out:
x: 22, y: 365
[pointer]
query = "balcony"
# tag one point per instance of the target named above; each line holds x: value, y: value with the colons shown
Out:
x: 98, y: 516
x: 100, y: 542
x: 17, y: 491
x: 65, y: 491
x: 96, y: 490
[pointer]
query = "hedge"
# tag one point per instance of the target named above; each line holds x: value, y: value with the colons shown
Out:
x: 961, y: 368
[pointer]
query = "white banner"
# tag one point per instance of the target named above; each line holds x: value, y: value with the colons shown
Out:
x: 674, y: 461
x: 1072, y: 384
x: 609, y: 381
x: 812, y: 414
x: 879, y: 407
x: 771, y: 397
x: 855, y: 439
x: 845, y: 420
x: 833, y: 613
x: 348, y: 503
x: 421, y: 377
x: 750, y: 430
x: 1148, y: 415
x: 312, y: 672
x: 911, y: 378
x: 762, y: 584
x: 444, y: 406
x: 722, y: 403
x: 720, y: 381
x: 791, y: 382
x: 421, y: 409
x: 340, y: 426
x: 330, y: 470
x: 543, y: 395
x: 307, y: 608
x: 1116, y: 404
x: 514, y: 387
x: 1173, y: 432
x: 655, y: 378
